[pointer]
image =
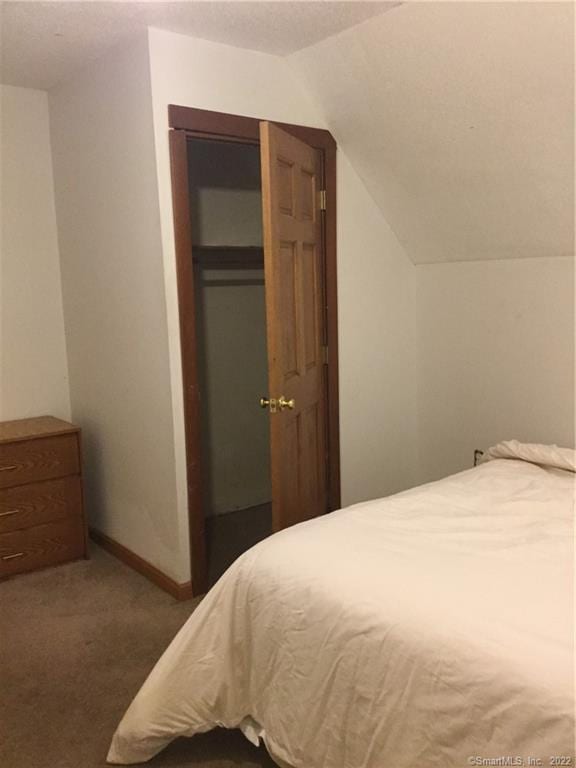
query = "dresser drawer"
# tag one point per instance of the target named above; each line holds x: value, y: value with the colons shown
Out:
x: 39, y: 459
x: 41, y: 546
x: 28, y: 505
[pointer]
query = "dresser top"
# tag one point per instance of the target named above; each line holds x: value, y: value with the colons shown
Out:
x: 41, y: 426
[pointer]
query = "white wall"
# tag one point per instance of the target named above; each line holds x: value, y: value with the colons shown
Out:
x: 33, y: 367
x: 496, y: 358
x: 114, y: 303
x: 377, y: 344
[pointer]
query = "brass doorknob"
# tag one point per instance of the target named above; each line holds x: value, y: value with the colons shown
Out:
x: 283, y: 403
x: 264, y: 402
x: 270, y: 403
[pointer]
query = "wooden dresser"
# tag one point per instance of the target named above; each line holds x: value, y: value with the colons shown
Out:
x: 42, y: 519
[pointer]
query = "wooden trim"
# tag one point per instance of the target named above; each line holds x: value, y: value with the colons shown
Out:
x: 185, y: 123
x: 137, y: 563
x: 332, y: 328
x: 187, y: 318
x: 214, y: 124
x: 83, y: 494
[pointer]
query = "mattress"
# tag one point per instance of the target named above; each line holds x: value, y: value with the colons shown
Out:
x: 429, y: 628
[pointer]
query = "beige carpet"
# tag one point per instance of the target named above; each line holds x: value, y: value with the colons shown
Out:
x: 76, y: 643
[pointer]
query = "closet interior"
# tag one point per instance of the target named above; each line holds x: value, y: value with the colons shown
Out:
x: 226, y: 222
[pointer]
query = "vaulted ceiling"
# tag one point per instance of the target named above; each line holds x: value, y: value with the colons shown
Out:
x: 459, y: 117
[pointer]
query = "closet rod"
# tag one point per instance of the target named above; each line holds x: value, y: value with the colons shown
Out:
x: 229, y: 283
x: 229, y: 261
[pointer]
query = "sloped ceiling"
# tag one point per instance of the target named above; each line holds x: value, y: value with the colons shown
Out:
x: 459, y: 117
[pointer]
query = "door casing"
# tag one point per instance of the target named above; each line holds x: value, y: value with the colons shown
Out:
x: 185, y: 123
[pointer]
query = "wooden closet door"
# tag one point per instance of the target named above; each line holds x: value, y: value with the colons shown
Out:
x: 293, y: 262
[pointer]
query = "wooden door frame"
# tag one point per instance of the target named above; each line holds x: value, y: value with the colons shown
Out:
x: 187, y: 123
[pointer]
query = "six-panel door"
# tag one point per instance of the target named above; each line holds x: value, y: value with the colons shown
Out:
x: 291, y: 172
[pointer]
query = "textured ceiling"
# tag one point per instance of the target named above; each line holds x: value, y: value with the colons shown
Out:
x: 44, y: 42
x: 459, y: 117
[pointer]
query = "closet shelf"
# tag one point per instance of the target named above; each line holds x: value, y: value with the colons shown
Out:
x: 197, y: 246
x: 229, y: 256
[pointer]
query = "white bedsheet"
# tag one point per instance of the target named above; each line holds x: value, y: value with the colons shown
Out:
x: 426, y: 629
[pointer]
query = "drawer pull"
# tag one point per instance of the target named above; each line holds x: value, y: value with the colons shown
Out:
x: 9, y: 512
x: 11, y: 466
x: 11, y: 557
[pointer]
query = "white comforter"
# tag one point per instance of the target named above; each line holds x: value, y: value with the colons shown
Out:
x: 430, y: 628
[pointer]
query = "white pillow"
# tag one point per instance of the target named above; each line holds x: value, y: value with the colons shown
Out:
x: 545, y: 455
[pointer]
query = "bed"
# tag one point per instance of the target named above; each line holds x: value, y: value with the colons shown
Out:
x: 429, y: 628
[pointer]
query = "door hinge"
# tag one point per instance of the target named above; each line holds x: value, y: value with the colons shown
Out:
x: 325, y: 354
x: 322, y: 201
